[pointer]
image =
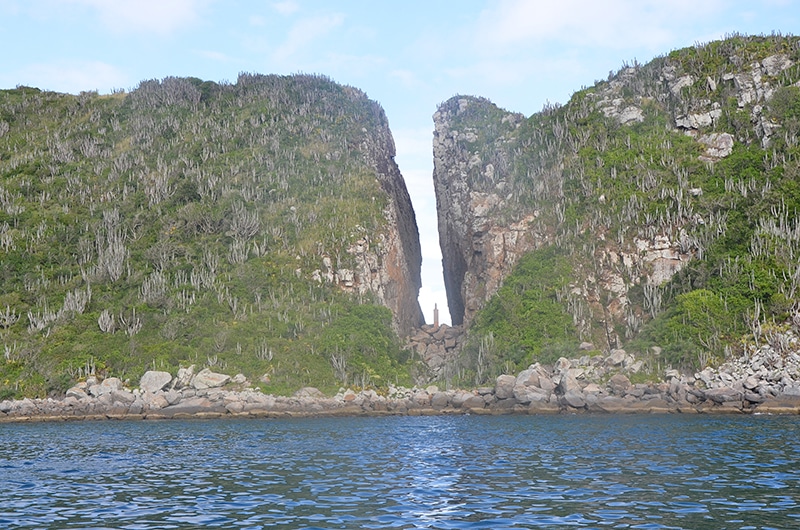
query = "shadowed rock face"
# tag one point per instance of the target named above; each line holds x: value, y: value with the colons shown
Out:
x: 478, y: 247
x: 400, y: 276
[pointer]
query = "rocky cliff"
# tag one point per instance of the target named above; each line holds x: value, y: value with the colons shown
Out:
x: 390, y: 268
x: 471, y: 162
x: 661, y: 191
x: 260, y: 226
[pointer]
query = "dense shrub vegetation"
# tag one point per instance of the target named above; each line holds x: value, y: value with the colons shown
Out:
x: 599, y: 183
x: 182, y: 223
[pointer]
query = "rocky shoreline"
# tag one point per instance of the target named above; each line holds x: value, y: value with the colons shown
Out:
x: 766, y: 381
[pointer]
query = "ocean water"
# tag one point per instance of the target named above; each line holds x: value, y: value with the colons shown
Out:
x: 665, y: 471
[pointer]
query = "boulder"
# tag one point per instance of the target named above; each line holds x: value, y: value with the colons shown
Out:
x: 791, y: 391
x: 504, y: 386
x: 569, y: 381
x: 775, y: 64
x: 754, y: 398
x: 619, y: 385
x: 592, y: 388
x: 122, y: 397
x: 562, y: 364
x: 527, y: 394
x: 421, y: 398
x: 718, y: 145
x: 207, y: 379
x: 440, y: 400
x: 305, y: 392
x: 750, y: 382
x: 234, y: 407
x: 546, y: 384
x: 74, y: 392
x: 460, y: 397
x: 528, y: 377
x: 574, y: 399
x: 184, y: 377
x: 105, y: 387
x: 638, y: 390
x: 474, y: 402
x: 154, y: 401
x: 723, y: 395
x: 635, y: 367
x: 617, y: 357
x: 153, y: 381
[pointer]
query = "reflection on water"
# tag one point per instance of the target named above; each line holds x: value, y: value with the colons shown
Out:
x: 405, y: 472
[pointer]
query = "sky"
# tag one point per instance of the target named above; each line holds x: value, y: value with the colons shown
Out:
x: 407, y: 55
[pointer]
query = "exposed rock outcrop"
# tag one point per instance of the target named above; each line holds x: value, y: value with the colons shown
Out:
x: 388, y: 264
x: 506, y: 185
x: 393, y: 270
x: 483, y: 231
x: 479, y: 248
x: 436, y: 346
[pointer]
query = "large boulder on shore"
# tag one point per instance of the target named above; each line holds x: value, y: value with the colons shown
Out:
x: 309, y: 392
x: 504, y: 386
x: 184, y: 377
x: 108, y: 385
x: 574, y: 399
x: 619, y: 385
x: 723, y: 395
x: 206, y: 379
x: 527, y: 394
x: 153, y: 381
x: 569, y: 381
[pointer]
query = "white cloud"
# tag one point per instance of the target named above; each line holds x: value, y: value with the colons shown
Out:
x: 149, y: 16
x: 69, y: 76
x: 414, y: 142
x: 257, y: 21
x: 610, y: 24
x: 288, y: 7
x: 10, y: 8
x: 216, y: 56
x: 408, y: 78
x: 305, y: 32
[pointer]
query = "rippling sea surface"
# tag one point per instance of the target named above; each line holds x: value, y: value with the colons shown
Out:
x: 405, y: 472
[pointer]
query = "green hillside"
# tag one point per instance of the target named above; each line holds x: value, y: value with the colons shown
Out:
x: 697, y: 149
x: 189, y: 222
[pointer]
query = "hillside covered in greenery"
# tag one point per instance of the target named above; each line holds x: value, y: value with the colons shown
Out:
x: 233, y: 226
x: 655, y: 211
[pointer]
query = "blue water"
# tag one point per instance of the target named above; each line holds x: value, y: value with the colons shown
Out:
x: 405, y: 472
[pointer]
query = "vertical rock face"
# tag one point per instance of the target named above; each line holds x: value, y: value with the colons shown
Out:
x: 387, y: 263
x: 392, y: 270
x: 471, y: 165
